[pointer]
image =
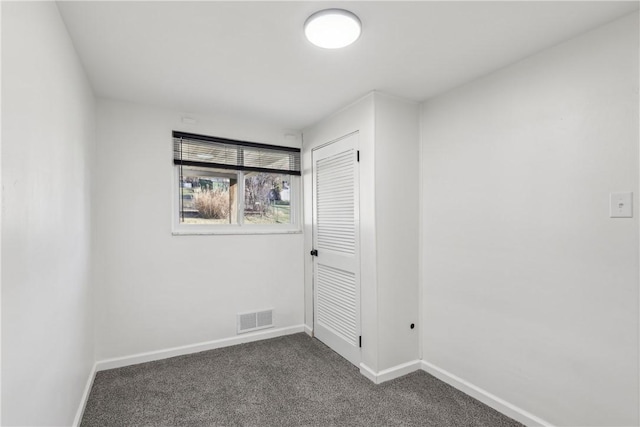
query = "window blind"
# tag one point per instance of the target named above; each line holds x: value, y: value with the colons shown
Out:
x: 212, y: 152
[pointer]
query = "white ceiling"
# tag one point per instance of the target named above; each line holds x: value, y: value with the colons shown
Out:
x: 251, y: 58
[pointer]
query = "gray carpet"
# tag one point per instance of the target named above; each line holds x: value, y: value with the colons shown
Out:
x: 288, y: 381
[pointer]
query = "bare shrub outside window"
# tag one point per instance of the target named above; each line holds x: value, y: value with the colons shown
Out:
x: 212, y: 204
x: 206, y: 199
x: 267, y: 198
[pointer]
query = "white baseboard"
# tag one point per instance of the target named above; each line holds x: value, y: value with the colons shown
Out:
x: 85, y: 397
x: 119, y: 362
x: 390, y: 373
x: 368, y: 372
x: 308, y: 330
x: 398, y: 371
x: 485, y: 397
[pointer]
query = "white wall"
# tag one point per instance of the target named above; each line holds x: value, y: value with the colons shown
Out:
x: 156, y: 290
x: 397, y: 203
x: 358, y: 116
x: 389, y: 163
x: 47, y: 137
x: 530, y: 289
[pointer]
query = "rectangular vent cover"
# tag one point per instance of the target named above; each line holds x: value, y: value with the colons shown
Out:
x: 253, y: 321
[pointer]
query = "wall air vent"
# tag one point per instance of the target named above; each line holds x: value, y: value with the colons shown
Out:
x: 255, y: 320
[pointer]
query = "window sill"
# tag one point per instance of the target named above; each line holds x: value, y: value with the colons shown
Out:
x: 235, y: 231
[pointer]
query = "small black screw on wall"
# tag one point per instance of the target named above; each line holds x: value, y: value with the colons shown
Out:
x: 413, y: 326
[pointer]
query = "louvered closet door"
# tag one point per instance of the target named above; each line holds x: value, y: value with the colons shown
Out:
x: 336, y: 238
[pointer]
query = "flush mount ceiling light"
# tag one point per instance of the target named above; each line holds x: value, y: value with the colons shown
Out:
x: 332, y: 28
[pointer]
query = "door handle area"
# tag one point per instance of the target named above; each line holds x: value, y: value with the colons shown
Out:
x: 314, y: 252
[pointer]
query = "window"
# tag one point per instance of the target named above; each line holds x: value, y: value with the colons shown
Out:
x: 227, y: 186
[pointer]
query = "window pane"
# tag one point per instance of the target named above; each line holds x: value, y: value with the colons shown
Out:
x: 267, y: 198
x: 208, y: 197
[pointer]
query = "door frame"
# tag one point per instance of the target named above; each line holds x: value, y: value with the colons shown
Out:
x: 358, y: 263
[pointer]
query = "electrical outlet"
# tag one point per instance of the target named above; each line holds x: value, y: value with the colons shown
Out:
x: 621, y: 205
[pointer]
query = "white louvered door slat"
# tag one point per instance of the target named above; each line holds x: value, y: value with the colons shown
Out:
x: 336, y: 237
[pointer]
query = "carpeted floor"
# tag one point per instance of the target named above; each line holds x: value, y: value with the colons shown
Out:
x: 288, y: 381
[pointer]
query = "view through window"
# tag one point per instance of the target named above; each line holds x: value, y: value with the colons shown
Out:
x: 234, y: 183
x: 267, y: 198
x: 210, y: 197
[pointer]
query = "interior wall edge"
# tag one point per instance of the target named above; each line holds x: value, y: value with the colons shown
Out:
x: 308, y: 330
x: 85, y: 396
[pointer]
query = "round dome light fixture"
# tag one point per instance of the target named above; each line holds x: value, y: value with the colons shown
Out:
x: 332, y: 28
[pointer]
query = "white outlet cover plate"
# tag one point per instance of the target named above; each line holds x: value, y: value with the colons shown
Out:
x: 621, y: 205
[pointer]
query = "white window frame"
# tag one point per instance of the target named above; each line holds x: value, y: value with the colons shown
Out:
x: 295, y: 201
